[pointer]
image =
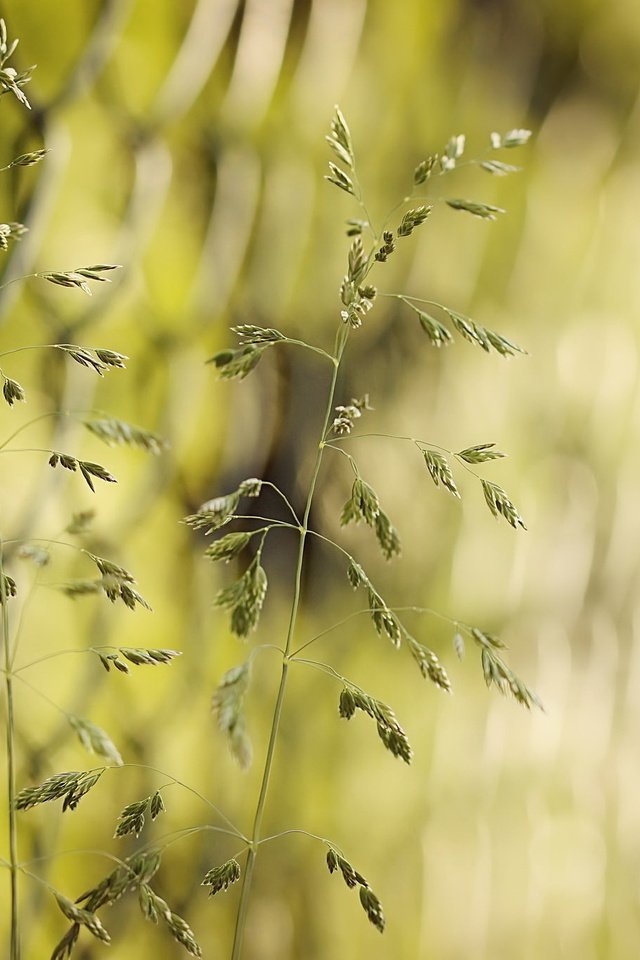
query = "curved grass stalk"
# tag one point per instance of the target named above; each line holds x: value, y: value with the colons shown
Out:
x: 196, y: 793
x: 304, y: 833
x: 283, y: 496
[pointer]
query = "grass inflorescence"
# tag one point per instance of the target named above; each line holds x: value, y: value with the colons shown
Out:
x: 244, y: 597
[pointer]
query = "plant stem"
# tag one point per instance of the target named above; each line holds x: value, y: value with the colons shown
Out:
x: 14, y: 949
x: 341, y: 342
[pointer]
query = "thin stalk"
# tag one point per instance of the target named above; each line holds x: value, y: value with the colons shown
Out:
x: 34, y: 346
x: 14, y: 948
x: 304, y: 833
x: 309, y: 346
x: 341, y: 342
x: 25, y: 426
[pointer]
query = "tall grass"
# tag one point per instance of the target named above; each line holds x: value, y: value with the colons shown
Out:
x: 369, y: 248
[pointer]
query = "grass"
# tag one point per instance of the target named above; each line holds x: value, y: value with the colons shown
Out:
x: 369, y: 249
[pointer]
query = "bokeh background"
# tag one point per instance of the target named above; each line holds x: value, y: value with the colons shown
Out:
x: 187, y: 143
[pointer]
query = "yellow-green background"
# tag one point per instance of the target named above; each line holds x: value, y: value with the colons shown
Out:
x: 187, y: 143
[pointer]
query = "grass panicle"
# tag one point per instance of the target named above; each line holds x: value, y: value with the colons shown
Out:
x: 389, y: 730
x: 440, y: 471
x: 70, y: 786
x: 244, y: 597
x: 369, y: 901
x: 221, y: 878
x: 80, y: 276
x: 83, y: 918
x: 501, y: 505
x: 88, y: 470
x: 12, y: 391
x: 132, y: 818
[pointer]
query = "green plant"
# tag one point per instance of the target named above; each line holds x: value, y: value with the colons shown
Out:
x: 244, y: 597
x: 109, y: 580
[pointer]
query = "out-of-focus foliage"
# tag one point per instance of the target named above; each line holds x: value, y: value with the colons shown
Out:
x: 187, y: 143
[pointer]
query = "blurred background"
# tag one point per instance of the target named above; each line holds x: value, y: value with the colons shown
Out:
x: 187, y: 143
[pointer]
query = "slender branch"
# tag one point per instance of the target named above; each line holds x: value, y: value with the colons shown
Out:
x: 332, y: 543
x: 324, y: 667
x: 309, y: 346
x: 267, y: 483
x: 110, y: 646
x: 393, y: 436
x: 410, y: 299
x: 57, y: 543
x: 27, y: 450
x: 34, y: 346
x: 88, y: 851
x: 274, y: 523
x: 306, y: 833
x: 61, y: 653
x: 196, y: 793
x: 334, y: 626
x: 455, y: 623
x: 43, y: 696
x: 85, y: 851
x: 264, y: 646
x: 43, y: 416
x: 185, y: 832
x: 412, y: 197
x: 7, y: 283
x: 387, y: 436
x: 344, y: 453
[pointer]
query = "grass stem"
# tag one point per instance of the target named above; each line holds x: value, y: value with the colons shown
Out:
x: 14, y: 947
x: 341, y: 342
